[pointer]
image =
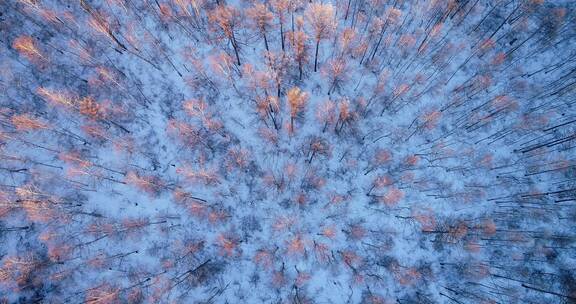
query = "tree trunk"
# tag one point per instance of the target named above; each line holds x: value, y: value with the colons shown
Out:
x: 366, y: 50
x: 378, y: 44
x: 282, y: 35
x: 265, y: 41
x: 312, y: 156
x: 347, y: 10
x: 270, y: 111
x: 316, y: 56
x: 292, y: 16
x: 548, y: 292
x: 278, y: 88
x: 233, y: 41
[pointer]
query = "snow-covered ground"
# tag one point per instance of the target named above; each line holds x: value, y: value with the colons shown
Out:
x: 183, y: 151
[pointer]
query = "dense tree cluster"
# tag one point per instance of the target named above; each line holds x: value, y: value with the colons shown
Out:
x: 284, y: 151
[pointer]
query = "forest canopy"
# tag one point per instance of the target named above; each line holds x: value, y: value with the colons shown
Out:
x: 287, y: 151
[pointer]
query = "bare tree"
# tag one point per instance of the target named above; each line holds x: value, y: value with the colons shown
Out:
x: 322, y: 24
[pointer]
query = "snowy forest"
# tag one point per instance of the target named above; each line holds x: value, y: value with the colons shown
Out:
x: 288, y: 151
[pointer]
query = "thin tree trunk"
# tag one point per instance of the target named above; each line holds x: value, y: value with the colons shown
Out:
x: 316, y: 56
x: 366, y: 50
x: 312, y: 156
x: 265, y: 42
x: 378, y: 44
x: 233, y: 41
x: 282, y: 34
x: 347, y: 10
x: 548, y: 292
x: 278, y: 88
x: 292, y: 16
